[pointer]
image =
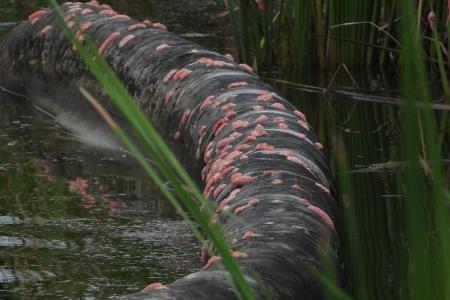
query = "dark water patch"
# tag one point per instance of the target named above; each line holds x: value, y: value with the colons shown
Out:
x: 79, y: 220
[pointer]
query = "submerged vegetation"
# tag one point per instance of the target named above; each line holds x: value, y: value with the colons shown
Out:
x: 395, y: 245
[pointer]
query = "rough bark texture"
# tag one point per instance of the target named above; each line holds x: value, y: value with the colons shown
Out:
x: 251, y: 150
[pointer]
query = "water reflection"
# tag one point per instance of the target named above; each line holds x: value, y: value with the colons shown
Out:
x: 78, y: 220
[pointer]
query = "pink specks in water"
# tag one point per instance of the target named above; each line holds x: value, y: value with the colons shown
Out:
x: 121, y: 17
x: 277, y: 181
x: 79, y: 186
x: 105, y: 7
x: 226, y: 170
x: 70, y: 24
x: 239, y: 124
x: 235, y: 135
x: 207, y: 155
x: 209, y: 62
x: 126, y: 40
x: 95, y: 3
x: 242, y: 147
x: 278, y: 119
x: 257, y: 108
x: 250, y: 138
x: 177, y: 136
x: 68, y: 17
x: 246, y: 68
x: 262, y: 119
x: 230, y: 115
x: 108, y: 12
x: 259, y: 131
x: 159, y: 26
x: 230, y: 198
x: 300, y: 115
x: 153, y: 286
x: 219, y: 189
x: 228, y: 106
x: 221, y: 127
x: 283, y: 126
x: 264, y: 146
x: 207, y: 102
x: 321, y: 214
x: 162, y: 47
x: 239, y: 254
x: 168, y: 96
x: 211, y: 261
x: 147, y: 22
x: 169, y: 75
x: 85, y: 26
x: 219, y: 123
x: 108, y: 42
x: 34, y: 17
x: 318, y: 146
x: 322, y: 187
x: 202, y: 129
x: 264, y: 96
x: 136, y: 26
x: 296, y: 187
x: 74, y: 10
x: 181, y: 74
x: 303, y: 201
x: 248, y: 234
x: 278, y: 106
x: 185, y: 116
x: 239, y: 179
x: 250, y: 203
x: 210, y: 146
x: 301, y: 136
x: 87, y: 11
x: 224, y: 142
x: 237, y: 84
x: 303, y: 124
x: 229, y: 57
x: 232, y: 156
x: 44, y: 30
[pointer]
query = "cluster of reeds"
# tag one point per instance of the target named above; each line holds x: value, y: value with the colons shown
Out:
x: 328, y: 33
x: 396, y: 247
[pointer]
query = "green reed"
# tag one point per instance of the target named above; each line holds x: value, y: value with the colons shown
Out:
x: 188, y: 200
x: 328, y: 33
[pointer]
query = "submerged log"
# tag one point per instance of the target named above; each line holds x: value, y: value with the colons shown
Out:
x: 251, y: 151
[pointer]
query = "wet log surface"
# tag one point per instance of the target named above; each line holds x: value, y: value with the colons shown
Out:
x: 251, y: 151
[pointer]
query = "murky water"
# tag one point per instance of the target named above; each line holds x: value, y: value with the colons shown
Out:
x: 80, y: 221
